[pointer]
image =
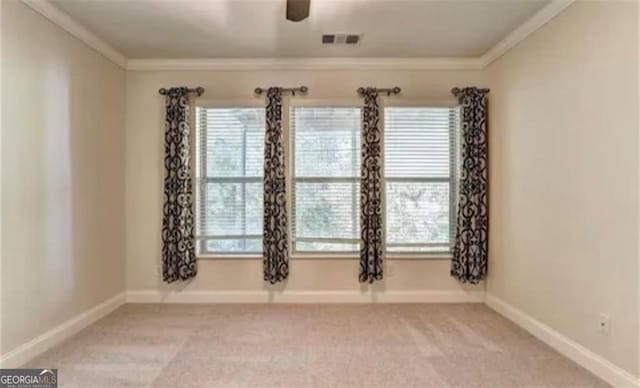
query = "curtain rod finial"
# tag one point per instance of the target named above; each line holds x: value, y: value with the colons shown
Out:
x: 394, y: 90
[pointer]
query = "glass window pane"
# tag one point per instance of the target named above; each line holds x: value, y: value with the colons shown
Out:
x: 234, y: 139
x: 234, y: 246
x: 417, y: 213
x: 233, y: 208
x: 327, y: 210
x: 303, y: 246
x: 229, y: 155
x: 326, y: 179
x: 420, y: 249
x: 327, y: 142
x: 420, y: 165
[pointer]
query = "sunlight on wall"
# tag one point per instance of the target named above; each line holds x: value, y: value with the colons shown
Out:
x: 63, y: 195
x: 57, y: 199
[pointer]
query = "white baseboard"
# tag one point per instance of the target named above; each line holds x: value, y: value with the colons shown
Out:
x: 589, y: 360
x: 329, y: 296
x: 25, y: 352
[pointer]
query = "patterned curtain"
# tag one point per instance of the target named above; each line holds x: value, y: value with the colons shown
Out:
x: 371, y: 239
x: 275, y: 245
x: 178, y: 252
x: 470, y: 252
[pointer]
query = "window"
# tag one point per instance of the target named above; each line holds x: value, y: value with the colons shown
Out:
x: 420, y: 178
x: 326, y: 184
x: 323, y: 167
x: 229, y: 170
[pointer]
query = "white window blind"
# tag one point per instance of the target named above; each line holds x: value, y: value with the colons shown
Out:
x: 420, y: 178
x: 326, y: 183
x: 229, y: 170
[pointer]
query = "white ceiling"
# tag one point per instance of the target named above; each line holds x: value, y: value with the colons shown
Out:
x: 258, y: 28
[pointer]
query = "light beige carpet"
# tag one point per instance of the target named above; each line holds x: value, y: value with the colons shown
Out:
x: 408, y: 345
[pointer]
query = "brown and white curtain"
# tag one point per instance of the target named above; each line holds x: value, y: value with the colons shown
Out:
x: 178, y: 249
x: 470, y: 252
x: 371, y: 237
x: 275, y: 244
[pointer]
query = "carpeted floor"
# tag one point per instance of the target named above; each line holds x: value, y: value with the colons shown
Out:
x: 408, y: 345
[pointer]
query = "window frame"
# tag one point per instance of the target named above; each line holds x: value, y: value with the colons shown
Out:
x: 453, y: 188
x: 287, y: 104
x: 213, y: 104
x: 290, y: 174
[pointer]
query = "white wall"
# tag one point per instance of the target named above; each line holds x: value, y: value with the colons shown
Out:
x: 62, y: 176
x: 564, y: 177
x: 145, y: 174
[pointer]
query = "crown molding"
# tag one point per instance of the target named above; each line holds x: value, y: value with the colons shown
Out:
x: 542, y: 17
x: 63, y: 20
x: 248, y: 64
x: 51, y: 12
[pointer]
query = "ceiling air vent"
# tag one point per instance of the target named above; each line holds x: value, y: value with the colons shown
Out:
x: 340, y: 38
x: 326, y: 39
x: 352, y: 39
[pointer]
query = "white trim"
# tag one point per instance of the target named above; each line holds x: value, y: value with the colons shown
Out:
x: 325, y: 102
x: 286, y: 296
x: 229, y: 256
x: 25, y: 352
x: 591, y: 361
x: 250, y: 64
x: 418, y: 256
x: 399, y: 102
x: 327, y: 256
x: 257, y: 102
x: 542, y: 17
x: 67, y: 23
x: 548, y: 12
x: 310, y: 255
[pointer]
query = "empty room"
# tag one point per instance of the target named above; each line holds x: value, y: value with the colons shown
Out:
x: 320, y: 193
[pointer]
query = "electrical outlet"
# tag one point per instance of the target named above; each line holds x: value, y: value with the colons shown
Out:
x: 604, y: 324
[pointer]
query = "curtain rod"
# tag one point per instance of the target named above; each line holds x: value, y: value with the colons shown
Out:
x: 388, y: 91
x: 199, y: 90
x: 301, y: 89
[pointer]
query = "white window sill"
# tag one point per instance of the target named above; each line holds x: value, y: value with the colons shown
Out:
x: 328, y: 256
x: 238, y: 256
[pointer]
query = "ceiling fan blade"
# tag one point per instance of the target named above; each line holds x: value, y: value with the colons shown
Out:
x: 297, y: 10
